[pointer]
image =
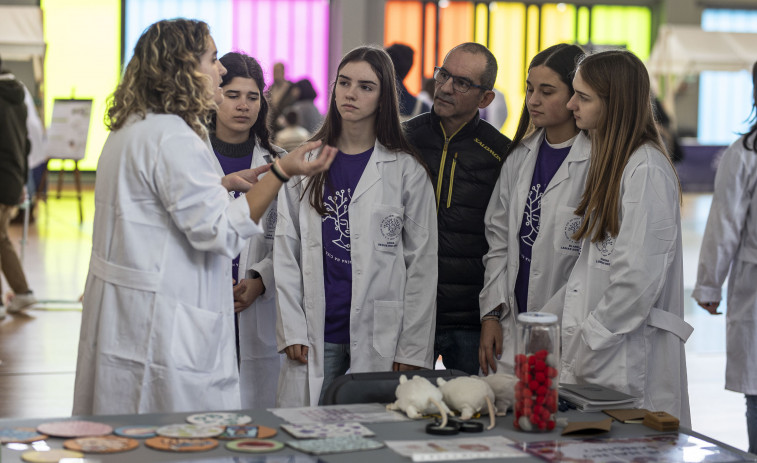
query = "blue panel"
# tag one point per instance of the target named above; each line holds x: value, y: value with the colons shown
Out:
x: 141, y: 13
x: 725, y: 98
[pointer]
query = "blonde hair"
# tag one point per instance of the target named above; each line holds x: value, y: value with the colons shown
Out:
x: 163, y: 76
x: 625, y: 123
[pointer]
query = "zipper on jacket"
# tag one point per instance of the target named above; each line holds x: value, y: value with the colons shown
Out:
x: 440, y: 179
x: 451, y: 179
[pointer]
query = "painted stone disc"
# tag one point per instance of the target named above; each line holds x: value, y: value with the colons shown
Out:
x: 136, y: 432
x: 219, y: 418
x: 74, y: 429
x: 254, y: 445
x: 49, y: 456
x: 20, y: 435
x: 101, y: 444
x: 172, y: 444
x: 189, y: 430
x: 247, y: 431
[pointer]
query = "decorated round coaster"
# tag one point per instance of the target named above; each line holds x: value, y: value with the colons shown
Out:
x: 254, y: 445
x: 20, y: 435
x: 101, y: 444
x: 189, y: 430
x: 172, y: 444
x: 247, y: 431
x: 74, y: 429
x: 136, y: 432
x: 219, y: 418
x: 49, y: 456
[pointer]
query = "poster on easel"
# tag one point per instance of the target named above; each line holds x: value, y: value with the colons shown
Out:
x: 69, y: 127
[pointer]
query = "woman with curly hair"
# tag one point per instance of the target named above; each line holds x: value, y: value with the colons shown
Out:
x: 157, y: 331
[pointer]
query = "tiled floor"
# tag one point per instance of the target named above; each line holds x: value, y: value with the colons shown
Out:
x: 38, y: 349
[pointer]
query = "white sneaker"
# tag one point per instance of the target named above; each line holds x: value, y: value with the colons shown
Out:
x: 3, y: 312
x: 21, y: 302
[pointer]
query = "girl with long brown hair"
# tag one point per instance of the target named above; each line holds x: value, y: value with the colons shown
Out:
x: 355, y: 252
x: 622, y: 319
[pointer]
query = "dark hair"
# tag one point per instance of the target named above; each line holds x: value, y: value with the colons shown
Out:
x: 307, y: 92
x: 402, y: 58
x: 753, y: 119
x: 389, y: 131
x: 490, y: 72
x: 560, y: 58
x: 291, y: 117
x: 247, y: 67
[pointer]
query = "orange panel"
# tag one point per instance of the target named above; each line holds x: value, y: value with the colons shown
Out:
x: 455, y: 26
x: 429, y: 41
x: 402, y: 24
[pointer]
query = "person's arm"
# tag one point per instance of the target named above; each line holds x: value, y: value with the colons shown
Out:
x: 420, y: 248
x: 725, y: 224
x: 295, y: 163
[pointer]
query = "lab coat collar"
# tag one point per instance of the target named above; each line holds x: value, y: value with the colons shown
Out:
x: 371, y: 174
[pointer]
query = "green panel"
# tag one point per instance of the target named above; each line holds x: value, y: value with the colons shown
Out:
x: 629, y: 26
x: 83, y: 60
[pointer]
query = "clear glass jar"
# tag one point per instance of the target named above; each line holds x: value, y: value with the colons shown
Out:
x: 537, y: 367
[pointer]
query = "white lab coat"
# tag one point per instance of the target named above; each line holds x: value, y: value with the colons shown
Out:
x: 554, y: 251
x: 393, y: 311
x: 730, y: 243
x: 622, y: 322
x: 260, y: 361
x: 157, y: 331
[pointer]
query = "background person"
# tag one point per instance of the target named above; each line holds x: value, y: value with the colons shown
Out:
x: 530, y: 253
x: 157, y: 331
x: 355, y: 249
x: 240, y: 140
x: 464, y: 155
x: 622, y: 317
x: 729, y: 246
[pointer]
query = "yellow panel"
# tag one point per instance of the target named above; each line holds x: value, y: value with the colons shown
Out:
x: 623, y: 25
x: 532, y: 39
x: 583, y: 25
x: 402, y: 24
x: 83, y: 58
x: 481, y: 31
x: 557, y: 24
x: 507, y: 42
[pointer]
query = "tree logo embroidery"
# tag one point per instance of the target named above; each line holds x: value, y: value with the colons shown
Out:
x: 606, y: 246
x: 572, y: 227
x: 270, y: 222
x: 532, y: 215
x: 337, y: 208
x: 391, y: 227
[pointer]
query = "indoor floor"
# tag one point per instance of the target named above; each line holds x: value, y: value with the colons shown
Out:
x: 38, y: 347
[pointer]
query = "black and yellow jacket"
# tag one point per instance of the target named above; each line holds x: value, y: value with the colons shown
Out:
x: 464, y: 167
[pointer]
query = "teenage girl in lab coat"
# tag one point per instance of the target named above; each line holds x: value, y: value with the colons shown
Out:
x: 622, y: 322
x: 531, y: 215
x: 157, y: 332
x: 355, y: 250
x: 730, y: 246
x: 240, y: 140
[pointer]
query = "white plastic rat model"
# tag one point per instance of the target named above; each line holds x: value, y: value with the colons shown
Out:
x: 417, y: 397
x: 503, y: 385
x: 468, y: 395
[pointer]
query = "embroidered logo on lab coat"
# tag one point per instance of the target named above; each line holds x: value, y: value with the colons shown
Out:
x: 605, y: 248
x: 571, y: 227
x: 391, y: 228
x: 270, y: 222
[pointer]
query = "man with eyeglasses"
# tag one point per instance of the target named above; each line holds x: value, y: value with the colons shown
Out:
x: 464, y: 155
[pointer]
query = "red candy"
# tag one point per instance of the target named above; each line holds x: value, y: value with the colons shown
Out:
x: 534, y: 397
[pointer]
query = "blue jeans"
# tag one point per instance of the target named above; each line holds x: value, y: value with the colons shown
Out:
x: 751, y: 421
x: 336, y: 362
x: 459, y: 349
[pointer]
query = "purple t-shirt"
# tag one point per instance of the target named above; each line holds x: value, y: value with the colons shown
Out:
x: 233, y: 160
x: 548, y: 161
x: 343, y: 177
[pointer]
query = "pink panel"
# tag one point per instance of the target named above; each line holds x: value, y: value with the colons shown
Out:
x: 295, y: 32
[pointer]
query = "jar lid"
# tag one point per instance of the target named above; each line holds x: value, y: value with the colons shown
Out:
x: 537, y: 317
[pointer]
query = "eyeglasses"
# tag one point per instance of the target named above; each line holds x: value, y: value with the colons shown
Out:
x: 460, y: 84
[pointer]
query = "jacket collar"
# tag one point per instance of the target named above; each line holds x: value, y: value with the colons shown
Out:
x: 371, y: 174
x: 467, y: 129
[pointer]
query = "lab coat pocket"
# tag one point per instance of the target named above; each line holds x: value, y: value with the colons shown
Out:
x: 660, y: 238
x: 387, y: 322
x: 195, y: 345
x: 566, y: 224
x: 386, y: 227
